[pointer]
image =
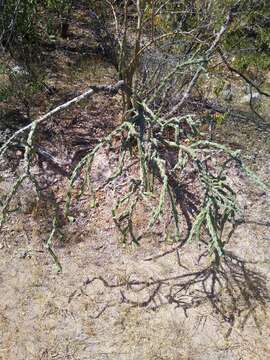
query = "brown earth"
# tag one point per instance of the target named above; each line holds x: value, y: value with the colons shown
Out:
x: 112, y: 302
x: 121, y: 301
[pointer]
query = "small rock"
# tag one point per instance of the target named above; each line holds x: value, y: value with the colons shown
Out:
x: 18, y: 70
x: 246, y: 99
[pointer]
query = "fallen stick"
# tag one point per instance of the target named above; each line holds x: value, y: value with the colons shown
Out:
x: 111, y: 89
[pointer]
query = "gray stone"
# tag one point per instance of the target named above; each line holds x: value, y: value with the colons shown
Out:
x: 256, y: 97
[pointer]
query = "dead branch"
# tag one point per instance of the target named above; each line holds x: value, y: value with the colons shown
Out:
x: 200, y: 69
x: 110, y: 89
x: 244, y: 77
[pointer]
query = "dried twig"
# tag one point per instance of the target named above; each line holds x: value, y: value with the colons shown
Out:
x: 243, y: 76
x: 111, y: 89
x: 200, y: 69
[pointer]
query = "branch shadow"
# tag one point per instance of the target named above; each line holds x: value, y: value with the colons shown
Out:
x: 234, y: 291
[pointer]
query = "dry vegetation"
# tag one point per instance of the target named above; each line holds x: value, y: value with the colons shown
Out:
x: 160, y: 277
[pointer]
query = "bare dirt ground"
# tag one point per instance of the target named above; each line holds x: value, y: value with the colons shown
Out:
x: 116, y: 301
x: 111, y: 303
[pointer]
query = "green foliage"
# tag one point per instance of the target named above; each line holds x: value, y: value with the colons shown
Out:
x: 219, y: 206
x: 5, y: 93
x: 160, y: 181
x: 21, y: 21
x: 18, y: 21
x: 100, y: 7
x: 22, y: 87
x: 257, y: 60
x: 60, y: 6
x: 249, y: 37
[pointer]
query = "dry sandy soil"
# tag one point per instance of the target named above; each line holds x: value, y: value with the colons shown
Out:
x: 112, y: 302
